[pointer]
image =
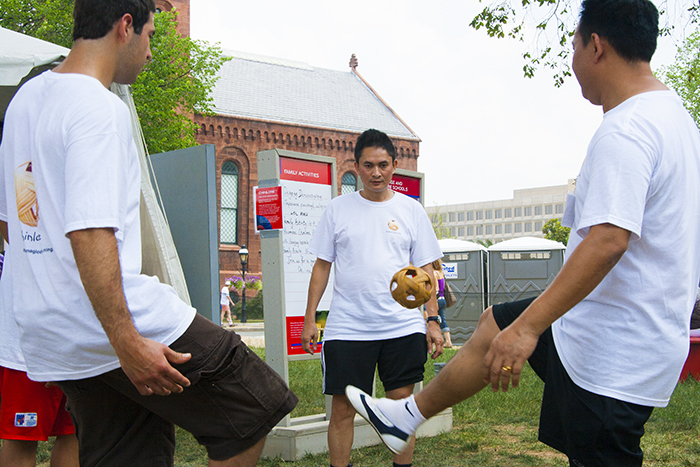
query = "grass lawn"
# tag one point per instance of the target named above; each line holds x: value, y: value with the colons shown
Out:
x: 489, y: 429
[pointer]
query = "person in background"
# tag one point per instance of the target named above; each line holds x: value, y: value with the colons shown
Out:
x: 442, y: 303
x: 226, y: 303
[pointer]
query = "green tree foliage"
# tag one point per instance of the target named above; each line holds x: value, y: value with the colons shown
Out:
x: 438, y: 222
x: 684, y: 75
x: 549, y: 25
x: 553, y: 230
x: 173, y: 86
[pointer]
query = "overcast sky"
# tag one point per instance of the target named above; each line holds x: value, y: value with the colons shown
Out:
x: 485, y: 129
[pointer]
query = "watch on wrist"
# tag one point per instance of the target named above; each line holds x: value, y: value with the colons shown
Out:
x: 433, y: 318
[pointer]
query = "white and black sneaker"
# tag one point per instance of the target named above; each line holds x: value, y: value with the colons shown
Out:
x: 395, y: 439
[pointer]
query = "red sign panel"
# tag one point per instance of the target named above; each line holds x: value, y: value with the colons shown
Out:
x: 409, y: 186
x: 268, y: 208
x: 299, y: 170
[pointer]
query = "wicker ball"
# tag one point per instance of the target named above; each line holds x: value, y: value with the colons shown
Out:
x: 411, y: 287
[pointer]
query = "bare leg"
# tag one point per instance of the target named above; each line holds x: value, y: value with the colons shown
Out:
x: 245, y: 459
x: 16, y: 453
x: 341, y: 430
x: 463, y: 376
x: 65, y: 452
x: 405, y: 457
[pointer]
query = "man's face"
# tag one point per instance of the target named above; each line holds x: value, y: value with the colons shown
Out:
x: 376, y: 169
x: 136, y: 52
x: 581, y: 64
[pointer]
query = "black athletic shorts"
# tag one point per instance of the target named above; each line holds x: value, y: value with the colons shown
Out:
x: 592, y: 430
x: 400, y: 362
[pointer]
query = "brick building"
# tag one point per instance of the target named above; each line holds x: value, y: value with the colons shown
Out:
x: 268, y: 103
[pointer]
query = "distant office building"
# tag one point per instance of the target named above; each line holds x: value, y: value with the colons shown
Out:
x: 522, y: 216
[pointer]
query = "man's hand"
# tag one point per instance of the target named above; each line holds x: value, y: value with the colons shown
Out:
x: 147, y: 364
x: 435, y: 341
x: 503, y: 363
x: 309, y: 336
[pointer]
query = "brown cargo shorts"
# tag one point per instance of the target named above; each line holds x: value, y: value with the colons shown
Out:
x: 234, y: 400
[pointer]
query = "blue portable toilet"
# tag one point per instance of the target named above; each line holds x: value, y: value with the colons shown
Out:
x: 522, y: 267
x: 464, y: 265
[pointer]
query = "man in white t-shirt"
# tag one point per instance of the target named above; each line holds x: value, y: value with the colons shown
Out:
x: 610, y: 335
x: 130, y: 356
x: 370, y: 235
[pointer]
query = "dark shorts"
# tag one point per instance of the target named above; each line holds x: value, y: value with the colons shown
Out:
x: 233, y: 401
x: 591, y: 429
x: 400, y: 362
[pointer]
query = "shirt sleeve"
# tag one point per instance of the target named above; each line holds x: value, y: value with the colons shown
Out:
x: 619, y: 171
x: 322, y: 243
x: 96, y: 170
x: 425, y: 248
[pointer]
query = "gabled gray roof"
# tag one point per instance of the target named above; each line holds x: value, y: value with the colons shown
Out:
x: 254, y: 86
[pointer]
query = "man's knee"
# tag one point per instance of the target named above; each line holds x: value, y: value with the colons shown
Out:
x: 486, y: 329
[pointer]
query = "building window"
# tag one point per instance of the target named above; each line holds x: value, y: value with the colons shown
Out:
x: 479, y: 215
x: 480, y: 230
x: 348, y: 183
x: 229, y: 203
x: 548, y: 211
x: 509, y: 228
x: 470, y: 216
x: 538, y: 210
x: 559, y: 208
x: 527, y: 211
x: 528, y: 226
x: 452, y: 217
x: 470, y: 231
x: 497, y: 214
x: 507, y: 213
x: 538, y: 226
x: 518, y: 228
x: 452, y: 232
x: 460, y: 217
x: 460, y: 232
x: 487, y: 214
x: 489, y: 229
x: 443, y: 217
x: 518, y: 212
x: 499, y: 229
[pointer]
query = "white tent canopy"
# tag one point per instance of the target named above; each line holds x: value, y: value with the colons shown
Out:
x: 23, y: 56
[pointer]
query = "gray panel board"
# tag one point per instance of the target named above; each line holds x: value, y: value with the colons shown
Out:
x: 186, y: 180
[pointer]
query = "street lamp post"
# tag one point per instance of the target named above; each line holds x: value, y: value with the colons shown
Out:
x: 243, y: 254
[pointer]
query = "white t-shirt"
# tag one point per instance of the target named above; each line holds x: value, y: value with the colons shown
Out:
x: 368, y: 242
x: 224, y: 295
x: 10, y: 353
x: 69, y: 139
x: 629, y: 338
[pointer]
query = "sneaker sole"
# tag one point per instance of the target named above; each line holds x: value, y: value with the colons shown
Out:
x: 393, y: 441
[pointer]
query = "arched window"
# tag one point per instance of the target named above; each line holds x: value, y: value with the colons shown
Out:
x: 229, y: 203
x: 349, y: 183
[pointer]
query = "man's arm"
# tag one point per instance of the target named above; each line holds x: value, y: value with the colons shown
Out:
x: 433, y: 334
x: 317, y: 285
x: 144, y: 361
x: 587, y: 266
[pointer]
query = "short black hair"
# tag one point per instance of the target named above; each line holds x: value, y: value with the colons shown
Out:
x: 93, y: 19
x: 374, y: 139
x: 630, y: 26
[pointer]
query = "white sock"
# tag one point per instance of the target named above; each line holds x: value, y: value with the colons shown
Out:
x: 403, y: 413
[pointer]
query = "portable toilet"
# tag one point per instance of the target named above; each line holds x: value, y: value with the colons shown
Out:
x: 464, y: 265
x: 522, y: 268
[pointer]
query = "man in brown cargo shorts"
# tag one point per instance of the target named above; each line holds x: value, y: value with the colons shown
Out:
x: 131, y: 357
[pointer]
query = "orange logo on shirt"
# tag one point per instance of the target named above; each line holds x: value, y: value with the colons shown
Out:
x: 25, y: 192
x: 393, y: 225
